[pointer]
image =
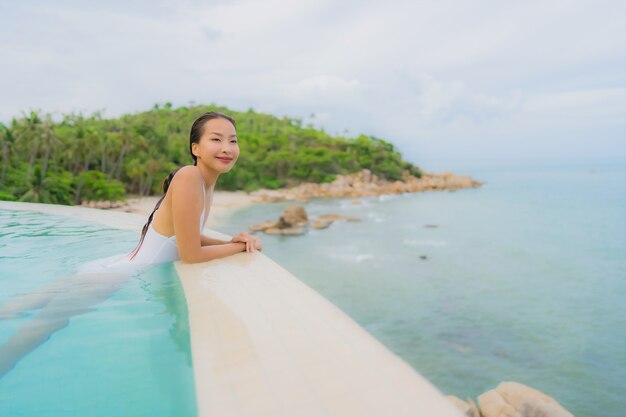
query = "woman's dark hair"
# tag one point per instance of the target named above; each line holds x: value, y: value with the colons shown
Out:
x: 197, y: 129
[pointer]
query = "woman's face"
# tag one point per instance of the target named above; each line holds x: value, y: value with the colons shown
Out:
x: 218, y: 148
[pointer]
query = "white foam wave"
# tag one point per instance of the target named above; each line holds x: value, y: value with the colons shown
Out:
x: 355, y: 258
x: 413, y: 242
x: 377, y: 217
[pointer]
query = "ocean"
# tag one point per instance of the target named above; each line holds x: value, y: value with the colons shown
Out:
x: 521, y: 280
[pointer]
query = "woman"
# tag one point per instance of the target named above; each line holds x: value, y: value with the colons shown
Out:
x: 174, y: 228
x: 173, y: 231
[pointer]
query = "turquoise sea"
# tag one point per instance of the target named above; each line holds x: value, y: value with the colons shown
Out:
x: 524, y: 279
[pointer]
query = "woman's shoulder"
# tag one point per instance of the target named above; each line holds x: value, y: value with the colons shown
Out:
x: 188, y: 175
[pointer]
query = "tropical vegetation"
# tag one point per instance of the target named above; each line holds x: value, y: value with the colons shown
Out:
x: 81, y: 157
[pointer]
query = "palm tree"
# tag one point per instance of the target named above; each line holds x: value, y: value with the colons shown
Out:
x: 28, y: 137
x: 49, y: 140
x: 7, y: 139
x: 38, y: 192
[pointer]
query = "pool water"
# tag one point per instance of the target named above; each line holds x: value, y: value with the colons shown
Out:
x: 128, y: 356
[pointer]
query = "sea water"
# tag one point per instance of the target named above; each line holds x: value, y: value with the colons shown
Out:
x: 127, y: 356
x: 522, y: 279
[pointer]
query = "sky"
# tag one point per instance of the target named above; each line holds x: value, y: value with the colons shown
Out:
x: 441, y: 80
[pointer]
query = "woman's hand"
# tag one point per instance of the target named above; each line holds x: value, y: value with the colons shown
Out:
x: 253, y: 243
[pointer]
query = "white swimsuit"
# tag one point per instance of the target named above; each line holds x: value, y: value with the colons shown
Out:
x: 155, y: 249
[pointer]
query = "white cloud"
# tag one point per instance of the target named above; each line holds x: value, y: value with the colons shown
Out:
x: 322, y: 86
x: 428, y: 76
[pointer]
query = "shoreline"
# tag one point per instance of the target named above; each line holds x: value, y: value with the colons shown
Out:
x: 356, y: 185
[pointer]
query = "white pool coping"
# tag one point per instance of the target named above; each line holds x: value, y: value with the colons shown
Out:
x: 265, y: 344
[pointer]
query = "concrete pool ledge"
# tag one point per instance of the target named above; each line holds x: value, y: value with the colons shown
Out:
x: 115, y: 219
x: 265, y: 344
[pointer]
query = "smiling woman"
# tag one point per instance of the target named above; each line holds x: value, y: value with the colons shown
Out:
x: 173, y: 232
x: 214, y: 149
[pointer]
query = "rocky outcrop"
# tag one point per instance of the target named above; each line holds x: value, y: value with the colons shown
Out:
x: 325, y: 220
x: 365, y: 184
x: 295, y: 220
x: 511, y: 399
x: 103, y: 204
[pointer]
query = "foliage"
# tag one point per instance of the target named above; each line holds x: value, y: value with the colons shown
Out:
x: 81, y: 157
x: 96, y: 186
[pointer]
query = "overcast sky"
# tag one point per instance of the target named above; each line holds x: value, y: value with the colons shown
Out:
x: 439, y: 79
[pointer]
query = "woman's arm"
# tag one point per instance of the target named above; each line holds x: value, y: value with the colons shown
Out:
x: 208, y: 241
x: 187, y: 205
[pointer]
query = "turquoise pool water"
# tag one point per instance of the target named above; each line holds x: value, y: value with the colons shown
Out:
x: 128, y: 356
x: 523, y: 279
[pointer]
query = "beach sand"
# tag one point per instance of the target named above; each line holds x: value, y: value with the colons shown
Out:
x: 224, y: 202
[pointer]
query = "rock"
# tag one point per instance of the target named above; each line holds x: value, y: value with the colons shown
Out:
x: 262, y: 226
x: 357, y: 202
x: 336, y: 217
x: 431, y: 226
x: 282, y: 224
x: 531, y: 402
x: 104, y: 204
x: 512, y: 399
x: 287, y: 231
x: 321, y: 223
x: 325, y: 220
x: 493, y: 405
x: 423, y: 257
x: 293, y: 215
x: 294, y: 218
x: 365, y: 184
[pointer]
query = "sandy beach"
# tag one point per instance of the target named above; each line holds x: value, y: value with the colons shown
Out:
x: 224, y: 202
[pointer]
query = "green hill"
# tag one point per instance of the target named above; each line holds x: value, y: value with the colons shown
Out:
x: 83, y: 157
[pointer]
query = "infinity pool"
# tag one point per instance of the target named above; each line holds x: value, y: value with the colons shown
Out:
x: 128, y: 355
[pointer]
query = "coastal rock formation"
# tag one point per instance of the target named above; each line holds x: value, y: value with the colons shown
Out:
x: 523, y: 400
x: 294, y: 220
x: 511, y: 399
x: 294, y: 215
x: 325, y: 220
x: 103, y: 204
x: 365, y: 184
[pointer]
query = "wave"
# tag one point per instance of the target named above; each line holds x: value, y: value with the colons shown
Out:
x: 436, y: 243
x: 377, y: 217
x: 354, y: 258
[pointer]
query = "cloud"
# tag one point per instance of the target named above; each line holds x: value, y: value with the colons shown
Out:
x: 427, y: 76
x: 320, y: 86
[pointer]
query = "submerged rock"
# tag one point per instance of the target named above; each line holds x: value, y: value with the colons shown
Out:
x: 325, y: 220
x: 285, y: 231
x: 263, y: 226
x: 294, y: 220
